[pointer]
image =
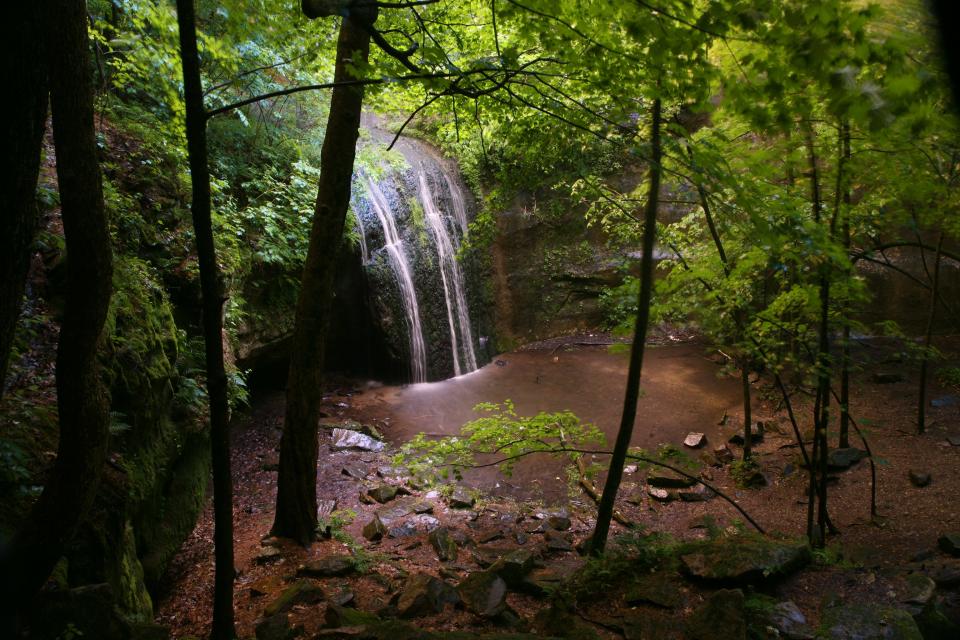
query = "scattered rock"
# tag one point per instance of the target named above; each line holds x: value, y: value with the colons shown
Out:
x: 651, y: 627
x: 630, y: 469
x: 266, y: 555
x: 668, y: 480
x: 542, y: 582
x: 399, y: 508
x: 721, y: 617
x: 337, y: 616
x: 559, y: 522
x: 660, y: 495
x: 723, y: 454
x: 920, y: 589
x: 275, y: 628
x: 756, y: 434
x: 887, y: 377
x: 403, y: 530
x: 344, y: 439
x: 425, y: 595
x: 328, y: 567
x: 935, y: 623
x: 945, y: 401
x: 343, y: 599
x: 484, y: 594
x: 744, y: 559
x: 920, y: 479
x: 383, y: 493
x: 325, y: 508
x: 392, y: 472
x: 443, y: 544
x: 946, y: 574
x: 423, y: 522
x: 789, y: 622
x: 300, y: 592
x: 375, y: 529
x: 461, y: 499
x: 356, y: 471
x: 954, y: 440
x: 698, y: 493
x: 557, y: 541
x: 695, y: 440
x: 860, y: 621
x: 661, y: 589
x: 950, y: 543
x: 514, y: 566
x: 487, y: 555
x: 839, y: 459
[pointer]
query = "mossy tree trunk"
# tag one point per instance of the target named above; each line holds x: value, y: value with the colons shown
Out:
x: 212, y: 292
x: 23, y: 66
x: 632, y: 394
x: 82, y: 399
x: 296, y: 510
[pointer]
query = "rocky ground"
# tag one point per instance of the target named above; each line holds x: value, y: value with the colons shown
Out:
x: 399, y: 560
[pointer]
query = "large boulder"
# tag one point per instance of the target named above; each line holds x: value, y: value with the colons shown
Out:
x: 743, y: 559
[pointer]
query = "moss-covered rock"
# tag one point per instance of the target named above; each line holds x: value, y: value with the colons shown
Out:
x: 743, y: 559
x: 867, y: 621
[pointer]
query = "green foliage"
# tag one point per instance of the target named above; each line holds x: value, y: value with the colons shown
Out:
x: 949, y: 376
x: 500, y: 433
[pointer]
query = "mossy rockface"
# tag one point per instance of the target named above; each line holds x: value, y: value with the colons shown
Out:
x: 153, y: 489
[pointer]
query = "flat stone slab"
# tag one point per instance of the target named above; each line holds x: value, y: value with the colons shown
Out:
x: 741, y: 560
x: 695, y: 440
x: 669, y: 480
x: 328, y: 567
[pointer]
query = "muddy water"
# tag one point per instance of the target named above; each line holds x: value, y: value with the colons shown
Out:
x: 682, y: 393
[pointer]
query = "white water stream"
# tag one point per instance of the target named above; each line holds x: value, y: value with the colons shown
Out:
x: 401, y: 268
x: 458, y: 314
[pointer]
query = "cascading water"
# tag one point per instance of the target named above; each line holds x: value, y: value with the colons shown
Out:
x: 362, y: 232
x: 415, y: 290
x: 401, y: 268
x: 458, y: 314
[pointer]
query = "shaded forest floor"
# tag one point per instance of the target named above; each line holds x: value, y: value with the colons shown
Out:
x: 869, y: 561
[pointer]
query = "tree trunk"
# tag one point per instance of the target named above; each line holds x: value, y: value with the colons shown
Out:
x: 296, y: 511
x: 211, y: 287
x: 632, y: 395
x: 927, y: 339
x: 821, y: 410
x: 747, y: 415
x: 23, y: 67
x: 82, y: 399
x: 845, y: 355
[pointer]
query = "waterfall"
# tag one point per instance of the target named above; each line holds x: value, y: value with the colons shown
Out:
x: 364, y: 252
x: 450, y: 274
x: 459, y: 207
x: 401, y: 268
